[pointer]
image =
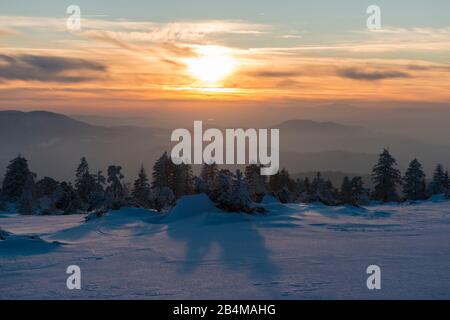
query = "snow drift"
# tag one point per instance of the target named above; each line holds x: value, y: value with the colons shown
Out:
x: 13, y: 245
x: 195, y: 251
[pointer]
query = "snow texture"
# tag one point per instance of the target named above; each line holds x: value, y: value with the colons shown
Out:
x: 197, y: 251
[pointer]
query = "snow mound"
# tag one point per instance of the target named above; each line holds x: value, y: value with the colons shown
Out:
x: 125, y: 222
x: 4, y: 234
x: 95, y: 215
x: 296, y: 251
x: 192, y: 206
x: 439, y: 198
x: 269, y: 199
x: 17, y: 245
x: 122, y: 216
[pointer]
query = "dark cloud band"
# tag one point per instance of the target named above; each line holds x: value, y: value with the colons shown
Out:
x: 356, y: 74
x: 48, y: 68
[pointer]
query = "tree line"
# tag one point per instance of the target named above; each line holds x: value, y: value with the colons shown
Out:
x: 231, y: 191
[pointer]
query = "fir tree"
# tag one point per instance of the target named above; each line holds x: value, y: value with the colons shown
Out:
x: 182, y: 180
x: 15, y: 178
x: 280, y: 181
x: 275, y: 183
x: 68, y: 200
x: 360, y: 195
x: 386, y: 178
x: 353, y: 192
x: 162, y: 175
x: 256, y: 183
x: 115, y: 190
x: 209, y: 173
x: 447, y: 189
x: 141, y: 189
x: 346, y: 194
x: 414, y: 185
x: 233, y: 194
x: 447, y: 180
x: 440, y: 181
x: 100, y: 179
x: 98, y: 194
x: 240, y: 197
x: 46, y: 187
x: 82, y: 171
x: 47, y: 195
x: 85, y: 184
x: 222, y: 191
x: 307, y: 186
x: 27, y: 203
x: 332, y: 190
x: 322, y: 191
x: 299, y: 193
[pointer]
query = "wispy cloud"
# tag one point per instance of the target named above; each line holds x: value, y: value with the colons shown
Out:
x: 8, y: 32
x: 180, y: 31
x: 146, y: 60
x: 184, y: 31
x: 275, y: 73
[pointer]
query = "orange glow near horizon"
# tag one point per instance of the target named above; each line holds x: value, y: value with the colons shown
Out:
x: 102, y: 64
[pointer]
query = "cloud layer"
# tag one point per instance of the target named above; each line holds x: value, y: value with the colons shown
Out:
x: 364, y: 75
x: 48, y: 68
x: 144, y: 60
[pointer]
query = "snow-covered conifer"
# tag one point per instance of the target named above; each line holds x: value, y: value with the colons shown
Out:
x: 256, y: 183
x: 199, y: 185
x: 240, y: 197
x: 234, y: 196
x: 86, y: 185
x: 209, y: 174
x: 161, y: 198
x: 115, y: 191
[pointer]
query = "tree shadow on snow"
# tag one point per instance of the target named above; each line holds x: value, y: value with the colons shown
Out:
x: 222, y: 240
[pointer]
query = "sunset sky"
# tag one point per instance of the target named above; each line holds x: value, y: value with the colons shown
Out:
x: 134, y: 52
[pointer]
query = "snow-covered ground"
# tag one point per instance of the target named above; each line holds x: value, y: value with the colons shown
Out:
x: 199, y: 252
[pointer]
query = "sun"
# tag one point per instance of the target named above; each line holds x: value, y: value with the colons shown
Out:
x: 212, y: 65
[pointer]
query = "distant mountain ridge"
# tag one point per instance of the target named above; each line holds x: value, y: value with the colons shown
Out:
x: 54, y: 143
x: 315, y: 126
